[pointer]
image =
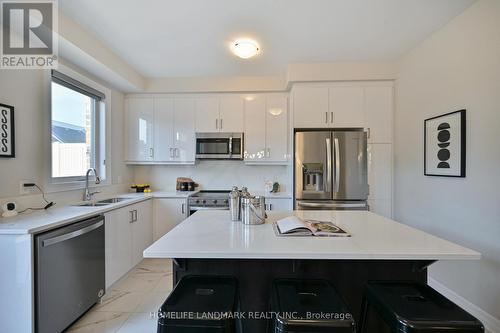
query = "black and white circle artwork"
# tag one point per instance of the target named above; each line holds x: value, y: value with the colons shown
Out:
x: 445, y: 145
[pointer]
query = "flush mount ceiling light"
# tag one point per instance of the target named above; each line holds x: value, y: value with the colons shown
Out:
x: 245, y: 48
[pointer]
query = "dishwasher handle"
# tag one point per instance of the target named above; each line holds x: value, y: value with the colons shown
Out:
x: 73, y: 234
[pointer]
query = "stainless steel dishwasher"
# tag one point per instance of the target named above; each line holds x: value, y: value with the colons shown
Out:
x: 69, y: 265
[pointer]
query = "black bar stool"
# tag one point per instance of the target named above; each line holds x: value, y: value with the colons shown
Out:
x: 409, y: 307
x: 308, y: 306
x: 200, y: 304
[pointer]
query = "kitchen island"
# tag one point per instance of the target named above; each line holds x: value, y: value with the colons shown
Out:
x: 208, y: 242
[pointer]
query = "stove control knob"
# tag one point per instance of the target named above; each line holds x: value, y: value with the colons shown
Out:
x: 204, y: 201
x: 215, y: 202
x: 197, y: 201
x: 226, y: 201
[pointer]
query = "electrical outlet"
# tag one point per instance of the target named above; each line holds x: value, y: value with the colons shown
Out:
x: 23, y: 190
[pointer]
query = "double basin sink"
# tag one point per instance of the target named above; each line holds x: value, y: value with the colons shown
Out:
x: 101, y: 203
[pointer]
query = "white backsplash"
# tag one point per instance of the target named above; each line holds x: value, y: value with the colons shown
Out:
x: 215, y: 175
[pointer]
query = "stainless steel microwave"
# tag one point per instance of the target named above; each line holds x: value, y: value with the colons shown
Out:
x: 219, y: 146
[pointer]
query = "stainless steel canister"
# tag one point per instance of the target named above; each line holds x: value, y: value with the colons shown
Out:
x: 253, y: 210
x: 235, y: 204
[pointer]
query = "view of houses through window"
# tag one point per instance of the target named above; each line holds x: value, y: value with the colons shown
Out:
x: 72, y: 132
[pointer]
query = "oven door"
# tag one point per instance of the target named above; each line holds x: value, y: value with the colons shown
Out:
x: 194, y: 209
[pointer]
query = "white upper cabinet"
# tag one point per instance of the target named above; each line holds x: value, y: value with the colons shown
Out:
x: 277, y: 128
x: 266, y: 129
x: 140, y: 120
x: 310, y: 107
x: 231, y: 114
x: 163, y: 129
x: 346, y: 106
x: 255, y: 128
x: 183, y: 133
x: 379, y: 113
x: 219, y: 114
x: 207, y: 114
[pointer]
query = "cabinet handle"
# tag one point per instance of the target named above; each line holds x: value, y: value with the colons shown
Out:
x: 177, y: 154
x: 326, y: 117
x: 182, y: 209
x: 131, y: 216
x: 151, y: 152
x: 221, y: 123
x: 270, y: 206
x: 268, y: 152
x: 331, y: 116
x: 171, y: 152
x: 368, y: 132
x: 135, y: 215
x: 216, y: 123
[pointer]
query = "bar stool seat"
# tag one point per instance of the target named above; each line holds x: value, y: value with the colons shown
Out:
x: 412, y: 307
x: 308, y: 306
x: 200, y: 304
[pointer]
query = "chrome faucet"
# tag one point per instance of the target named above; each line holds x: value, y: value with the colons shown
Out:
x: 87, y: 196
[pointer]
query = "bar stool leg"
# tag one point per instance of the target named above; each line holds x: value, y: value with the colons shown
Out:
x: 364, y: 315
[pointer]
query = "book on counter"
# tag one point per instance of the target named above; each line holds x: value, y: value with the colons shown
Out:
x: 294, y: 226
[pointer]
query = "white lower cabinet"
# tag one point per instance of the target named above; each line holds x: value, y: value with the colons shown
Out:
x: 118, y: 253
x: 142, y: 230
x: 278, y: 204
x: 128, y: 231
x: 168, y: 213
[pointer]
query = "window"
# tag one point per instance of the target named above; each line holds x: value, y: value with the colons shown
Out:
x: 77, y: 125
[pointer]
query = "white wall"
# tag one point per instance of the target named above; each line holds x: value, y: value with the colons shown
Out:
x: 457, y: 67
x: 28, y: 92
x: 215, y: 175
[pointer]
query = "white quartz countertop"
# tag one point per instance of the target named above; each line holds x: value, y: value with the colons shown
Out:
x: 38, y: 221
x: 211, y: 234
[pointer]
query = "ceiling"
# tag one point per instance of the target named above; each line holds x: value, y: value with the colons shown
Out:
x: 186, y: 38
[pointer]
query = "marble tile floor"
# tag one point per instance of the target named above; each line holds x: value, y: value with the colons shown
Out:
x: 127, y: 307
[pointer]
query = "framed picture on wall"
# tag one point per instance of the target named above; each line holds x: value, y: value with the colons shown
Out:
x: 7, y: 137
x: 444, y: 145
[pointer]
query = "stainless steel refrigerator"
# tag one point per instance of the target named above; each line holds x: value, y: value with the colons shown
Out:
x: 330, y: 170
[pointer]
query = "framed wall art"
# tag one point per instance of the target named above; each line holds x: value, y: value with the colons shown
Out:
x: 444, y: 145
x: 7, y: 136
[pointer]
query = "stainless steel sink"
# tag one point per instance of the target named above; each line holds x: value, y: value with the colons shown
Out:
x: 91, y: 204
x: 101, y: 203
x: 111, y: 200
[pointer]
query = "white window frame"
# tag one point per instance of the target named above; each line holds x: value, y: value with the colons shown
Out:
x: 102, y: 115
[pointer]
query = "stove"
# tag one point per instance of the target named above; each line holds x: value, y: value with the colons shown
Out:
x: 208, y: 200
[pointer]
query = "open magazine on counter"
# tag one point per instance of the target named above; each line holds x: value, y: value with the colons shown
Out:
x: 294, y: 226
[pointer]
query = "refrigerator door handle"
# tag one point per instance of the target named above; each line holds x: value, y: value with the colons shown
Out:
x: 337, y: 165
x: 332, y: 205
x: 328, y: 187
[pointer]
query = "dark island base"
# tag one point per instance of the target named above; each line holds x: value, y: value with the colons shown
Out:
x: 349, y: 276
